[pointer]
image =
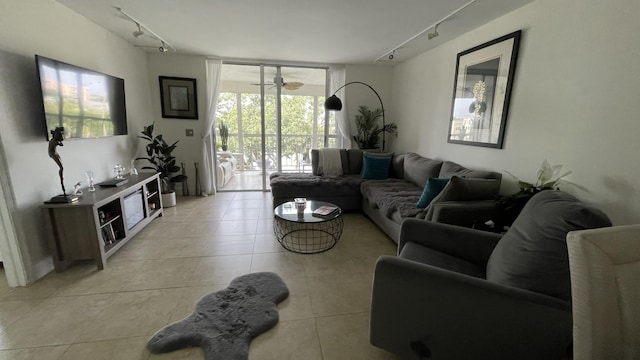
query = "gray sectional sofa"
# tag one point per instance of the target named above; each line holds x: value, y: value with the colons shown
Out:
x: 467, y: 197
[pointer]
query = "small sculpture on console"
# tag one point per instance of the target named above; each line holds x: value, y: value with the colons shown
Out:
x: 57, y: 135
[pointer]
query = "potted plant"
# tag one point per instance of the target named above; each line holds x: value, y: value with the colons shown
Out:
x: 368, y: 128
x: 223, y: 129
x: 159, y: 155
x: 548, y: 178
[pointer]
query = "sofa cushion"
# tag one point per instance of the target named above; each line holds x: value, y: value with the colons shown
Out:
x: 432, y: 188
x: 463, y: 189
x: 418, y: 169
x: 354, y: 157
x: 397, y: 166
x: 311, y: 186
x: 533, y: 254
x: 469, y: 189
x: 449, y: 169
x: 376, y: 167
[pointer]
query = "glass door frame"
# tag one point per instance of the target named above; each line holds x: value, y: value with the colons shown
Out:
x: 278, y: 110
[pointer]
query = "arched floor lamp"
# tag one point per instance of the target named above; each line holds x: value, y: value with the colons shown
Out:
x: 334, y: 103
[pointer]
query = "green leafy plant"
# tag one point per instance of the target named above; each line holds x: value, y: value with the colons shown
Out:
x: 548, y: 177
x: 223, y: 130
x: 368, y: 128
x: 159, y: 155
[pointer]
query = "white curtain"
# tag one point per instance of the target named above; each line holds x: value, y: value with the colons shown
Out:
x: 338, y: 77
x: 207, y: 173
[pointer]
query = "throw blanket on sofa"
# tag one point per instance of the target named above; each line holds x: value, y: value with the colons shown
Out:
x: 331, y: 162
x: 393, y: 195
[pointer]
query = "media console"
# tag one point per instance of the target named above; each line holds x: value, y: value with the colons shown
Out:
x: 101, y: 222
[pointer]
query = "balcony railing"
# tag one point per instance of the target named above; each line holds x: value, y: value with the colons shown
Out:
x: 296, y: 150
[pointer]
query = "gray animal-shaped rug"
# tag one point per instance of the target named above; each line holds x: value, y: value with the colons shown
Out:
x: 224, y: 322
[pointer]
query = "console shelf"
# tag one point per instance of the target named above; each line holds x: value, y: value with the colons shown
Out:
x: 100, y: 223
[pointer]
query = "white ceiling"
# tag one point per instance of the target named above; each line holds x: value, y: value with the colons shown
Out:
x: 329, y: 31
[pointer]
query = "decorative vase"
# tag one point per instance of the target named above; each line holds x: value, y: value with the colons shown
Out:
x: 168, y: 199
x: 89, y: 175
x: 132, y: 169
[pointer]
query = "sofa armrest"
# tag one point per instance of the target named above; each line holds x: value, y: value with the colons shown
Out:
x: 469, y: 244
x: 453, y: 316
x: 464, y: 213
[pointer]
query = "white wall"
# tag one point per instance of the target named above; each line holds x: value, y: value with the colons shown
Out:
x: 189, y: 149
x: 573, y: 101
x: 356, y: 95
x: 47, y: 28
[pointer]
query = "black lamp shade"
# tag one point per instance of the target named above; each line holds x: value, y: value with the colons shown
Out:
x: 333, y: 103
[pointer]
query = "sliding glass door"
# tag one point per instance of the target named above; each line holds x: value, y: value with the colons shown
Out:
x: 275, y: 115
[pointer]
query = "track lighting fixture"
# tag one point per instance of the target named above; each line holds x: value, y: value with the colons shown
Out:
x: 434, y: 33
x: 143, y: 30
x: 390, y: 54
x: 138, y: 32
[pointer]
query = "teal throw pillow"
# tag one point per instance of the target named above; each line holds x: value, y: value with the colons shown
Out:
x: 376, y: 168
x: 432, y: 188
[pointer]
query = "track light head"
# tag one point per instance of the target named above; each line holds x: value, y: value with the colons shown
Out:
x: 138, y: 32
x: 163, y: 48
x: 434, y: 33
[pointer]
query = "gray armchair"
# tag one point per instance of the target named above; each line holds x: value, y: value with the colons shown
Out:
x: 459, y: 293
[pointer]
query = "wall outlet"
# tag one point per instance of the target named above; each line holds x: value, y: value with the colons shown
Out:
x: 189, y: 132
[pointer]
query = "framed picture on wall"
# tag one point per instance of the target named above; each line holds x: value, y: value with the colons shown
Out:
x: 178, y: 98
x: 483, y: 82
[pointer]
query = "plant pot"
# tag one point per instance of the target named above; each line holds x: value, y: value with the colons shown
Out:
x: 225, y: 147
x: 168, y: 199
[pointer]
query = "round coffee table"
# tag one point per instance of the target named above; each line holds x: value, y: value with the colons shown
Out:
x: 307, y: 233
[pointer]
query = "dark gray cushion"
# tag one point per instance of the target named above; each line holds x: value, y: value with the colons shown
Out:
x: 418, y: 169
x: 397, y: 166
x: 533, y: 254
x: 464, y: 189
x: 312, y: 186
x: 449, y: 169
x: 355, y: 162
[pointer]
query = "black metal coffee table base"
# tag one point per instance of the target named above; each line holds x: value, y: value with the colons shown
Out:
x: 306, y: 233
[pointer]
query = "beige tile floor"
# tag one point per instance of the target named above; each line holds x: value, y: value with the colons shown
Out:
x: 195, y: 249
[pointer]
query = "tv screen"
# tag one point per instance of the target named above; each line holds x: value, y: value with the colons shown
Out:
x: 87, y: 103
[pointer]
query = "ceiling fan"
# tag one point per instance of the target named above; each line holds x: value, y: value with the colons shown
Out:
x: 294, y: 85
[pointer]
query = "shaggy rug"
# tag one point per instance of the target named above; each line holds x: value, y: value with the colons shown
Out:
x: 224, y: 322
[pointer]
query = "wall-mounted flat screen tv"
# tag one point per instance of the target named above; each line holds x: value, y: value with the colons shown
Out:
x: 87, y: 103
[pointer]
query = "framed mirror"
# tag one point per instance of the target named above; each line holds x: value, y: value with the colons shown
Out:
x: 483, y: 82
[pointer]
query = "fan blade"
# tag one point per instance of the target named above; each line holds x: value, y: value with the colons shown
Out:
x: 293, y: 85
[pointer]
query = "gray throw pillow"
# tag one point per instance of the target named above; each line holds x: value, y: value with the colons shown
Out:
x: 465, y: 189
x: 533, y: 253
